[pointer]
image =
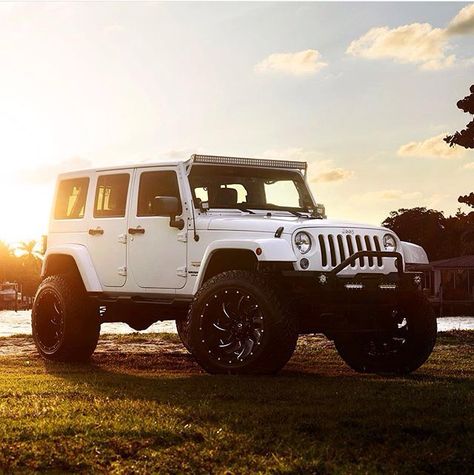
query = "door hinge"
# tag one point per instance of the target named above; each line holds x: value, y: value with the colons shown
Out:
x: 182, y: 236
x: 122, y: 238
x: 122, y: 270
x: 181, y: 271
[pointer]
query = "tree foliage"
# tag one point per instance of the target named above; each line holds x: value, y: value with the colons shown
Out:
x: 441, y: 237
x: 464, y: 138
x: 22, y: 266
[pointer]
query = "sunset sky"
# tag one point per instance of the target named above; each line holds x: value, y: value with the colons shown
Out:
x: 363, y: 91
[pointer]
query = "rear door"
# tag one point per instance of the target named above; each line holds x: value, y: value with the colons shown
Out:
x: 156, y: 251
x: 108, y: 227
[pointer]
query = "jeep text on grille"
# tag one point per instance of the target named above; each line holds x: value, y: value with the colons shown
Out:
x: 238, y: 252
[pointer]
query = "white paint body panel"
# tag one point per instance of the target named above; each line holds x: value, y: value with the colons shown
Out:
x: 155, y: 256
x: 414, y: 254
x: 83, y: 261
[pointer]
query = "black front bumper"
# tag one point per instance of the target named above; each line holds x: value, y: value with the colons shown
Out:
x: 330, y: 303
x: 362, y: 281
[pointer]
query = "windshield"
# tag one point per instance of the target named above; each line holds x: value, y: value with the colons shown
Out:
x: 249, y: 188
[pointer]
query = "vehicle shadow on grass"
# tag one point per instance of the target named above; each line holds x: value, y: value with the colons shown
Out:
x: 155, y: 377
x: 300, y: 411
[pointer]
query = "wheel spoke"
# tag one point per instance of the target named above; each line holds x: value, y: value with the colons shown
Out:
x: 226, y: 313
x: 247, y: 349
x: 221, y: 329
x: 232, y: 347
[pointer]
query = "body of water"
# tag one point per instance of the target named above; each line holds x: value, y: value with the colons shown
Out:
x: 14, y: 323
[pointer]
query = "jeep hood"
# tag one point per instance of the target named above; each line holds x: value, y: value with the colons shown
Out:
x: 264, y: 224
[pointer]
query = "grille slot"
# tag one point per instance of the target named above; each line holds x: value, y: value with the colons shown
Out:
x: 351, y: 247
x: 340, y: 244
x: 324, y: 254
x: 369, y: 248
x: 359, y: 248
x: 378, y: 248
x: 332, y: 250
x: 335, y: 248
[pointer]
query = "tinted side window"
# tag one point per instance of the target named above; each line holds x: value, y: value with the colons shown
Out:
x: 71, y: 198
x: 163, y: 183
x: 111, y: 196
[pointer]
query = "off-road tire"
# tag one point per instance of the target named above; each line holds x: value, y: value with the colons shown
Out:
x: 78, y: 325
x: 420, y: 341
x: 278, y: 341
x: 182, y: 328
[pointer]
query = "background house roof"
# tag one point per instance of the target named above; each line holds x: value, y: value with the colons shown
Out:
x: 461, y: 262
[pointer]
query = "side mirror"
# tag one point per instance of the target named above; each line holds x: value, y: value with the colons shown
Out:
x: 168, y: 206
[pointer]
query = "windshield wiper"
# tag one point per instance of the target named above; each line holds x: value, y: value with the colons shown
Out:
x: 241, y: 208
x: 299, y: 215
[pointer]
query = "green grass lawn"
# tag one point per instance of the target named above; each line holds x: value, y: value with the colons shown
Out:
x: 155, y: 411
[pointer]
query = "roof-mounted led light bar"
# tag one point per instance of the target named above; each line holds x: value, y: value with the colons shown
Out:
x: 249, y: 162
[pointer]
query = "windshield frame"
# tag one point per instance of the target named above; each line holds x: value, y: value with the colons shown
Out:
x: 294, y: 175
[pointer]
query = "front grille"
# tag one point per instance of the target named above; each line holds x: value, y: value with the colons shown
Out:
x: 335, y: 248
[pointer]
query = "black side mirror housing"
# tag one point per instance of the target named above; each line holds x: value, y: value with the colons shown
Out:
x: 168, y: 206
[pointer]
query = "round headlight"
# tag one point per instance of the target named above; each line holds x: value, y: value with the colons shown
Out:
x: 389, y: 243
x: 303, y: 242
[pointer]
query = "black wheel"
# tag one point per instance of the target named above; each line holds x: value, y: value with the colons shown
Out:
x: 182, y: 328
x: 402, y: 348
x: 239, y: 325
x: 65, y: 324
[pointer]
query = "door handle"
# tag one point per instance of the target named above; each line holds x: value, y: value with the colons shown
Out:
x: 137, y: 230
x: 96, y: 232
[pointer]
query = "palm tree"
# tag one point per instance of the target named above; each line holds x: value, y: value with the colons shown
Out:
x: 6, y: 261
x: 28, y: 251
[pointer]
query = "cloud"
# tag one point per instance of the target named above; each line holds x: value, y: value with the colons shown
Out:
x: 469, y: 166
x: 48, y: 172
x: 332, y: 174
x: 463, y: 22
x: 434, y: 147
x: 388, y: 195
x: 300, y: 63
x: 417, y: 43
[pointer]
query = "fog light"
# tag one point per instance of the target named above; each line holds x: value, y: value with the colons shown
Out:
x: 387, y: 286
x: 354, y: 286
x: 304, y: 263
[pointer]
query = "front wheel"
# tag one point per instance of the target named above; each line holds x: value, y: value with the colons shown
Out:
x: 239, y: 325
x: 65, y: 325
x: 402, y: 348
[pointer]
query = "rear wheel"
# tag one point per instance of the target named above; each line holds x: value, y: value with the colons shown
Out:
x: 65, y: 324
x: 239, y: 325
x: 400, y: 349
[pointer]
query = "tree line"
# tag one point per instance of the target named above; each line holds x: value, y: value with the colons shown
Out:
x: 441, y: 237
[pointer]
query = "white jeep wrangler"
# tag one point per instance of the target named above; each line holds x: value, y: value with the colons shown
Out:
x: 238, y: 253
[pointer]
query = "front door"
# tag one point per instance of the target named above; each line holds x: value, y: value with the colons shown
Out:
x: 156, y: 251
x: 108, y: 227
